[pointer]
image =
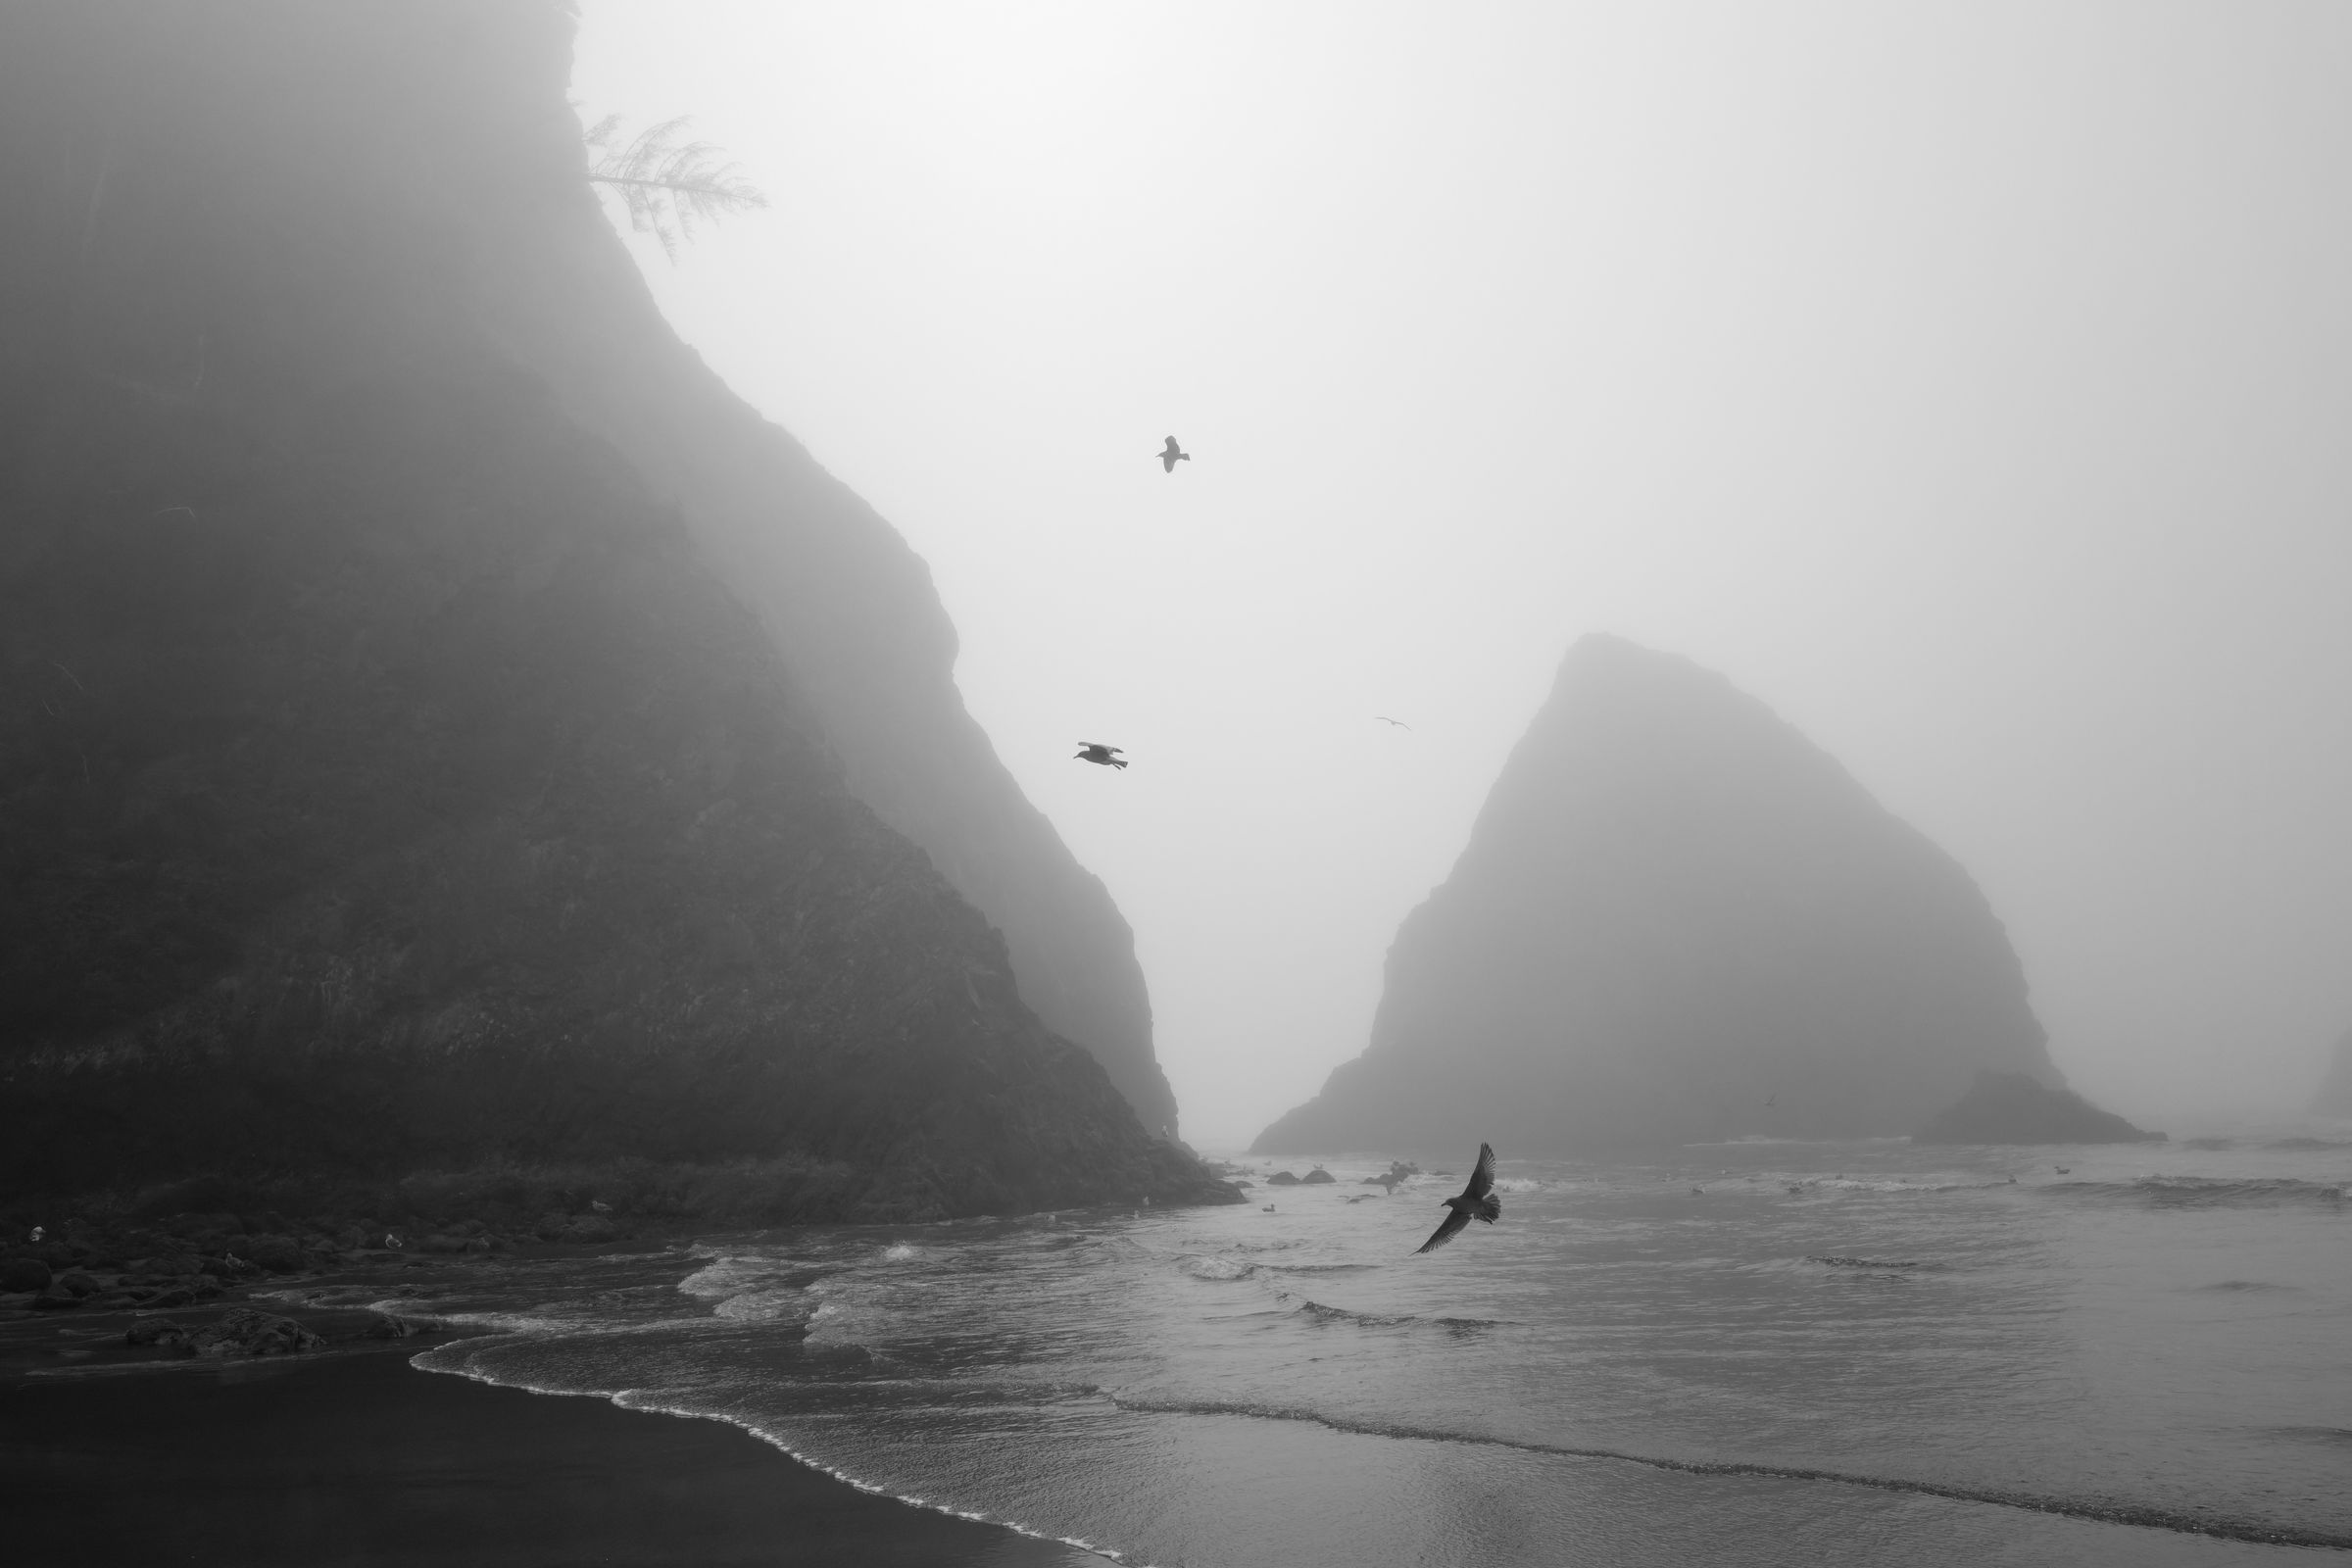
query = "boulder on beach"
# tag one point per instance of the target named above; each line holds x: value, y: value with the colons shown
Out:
x: 1316, y: 1177
x: 280, y: 1255
x: 1282, y: 1178
x: 238, y: 1333
x: 24, y: 1274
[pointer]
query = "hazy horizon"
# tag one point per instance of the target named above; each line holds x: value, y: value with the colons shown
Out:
x: 1966, y: 383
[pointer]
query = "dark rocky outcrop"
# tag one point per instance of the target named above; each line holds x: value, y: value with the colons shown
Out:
x: 402, y: 764
x: 1678, y: 919
x: 2013, y: 1108
x: 27, y: 1274
x: 238, y: 1333
x: 2333, y: 1097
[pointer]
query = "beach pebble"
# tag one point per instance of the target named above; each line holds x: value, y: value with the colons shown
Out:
x: 79, y: 1283
x: 54, y: 1298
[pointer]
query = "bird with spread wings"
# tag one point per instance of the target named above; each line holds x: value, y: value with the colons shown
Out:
x: 1097, y: 751
x: 1476, y: 1199
x: 1171, y: 455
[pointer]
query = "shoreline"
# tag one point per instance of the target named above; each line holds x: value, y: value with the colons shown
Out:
x: 351, y: 1456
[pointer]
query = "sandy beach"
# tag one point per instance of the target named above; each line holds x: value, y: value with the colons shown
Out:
x: 353, y: 1459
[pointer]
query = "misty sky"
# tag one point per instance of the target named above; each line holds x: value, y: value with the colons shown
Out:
x: 1971, y: 382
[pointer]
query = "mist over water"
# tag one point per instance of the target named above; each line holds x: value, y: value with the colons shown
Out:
x: 1868, y: 1352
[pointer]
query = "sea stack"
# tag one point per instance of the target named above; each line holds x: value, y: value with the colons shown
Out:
x: 1678, y: 920
x: 2014, y: 1108
x: 446, y: 727
x: 2333, y: 1097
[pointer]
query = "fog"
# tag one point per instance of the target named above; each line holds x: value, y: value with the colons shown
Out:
x: 1972, y: 383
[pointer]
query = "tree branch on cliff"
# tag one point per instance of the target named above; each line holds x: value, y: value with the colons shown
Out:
x: 665, y: 186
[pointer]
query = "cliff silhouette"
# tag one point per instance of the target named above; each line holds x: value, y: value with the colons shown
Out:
x: 442, y: 725
x: 1678, y: 920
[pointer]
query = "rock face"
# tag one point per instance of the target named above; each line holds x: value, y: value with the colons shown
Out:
x: 849, y: 605
x: 440, y: 724
x: 2012, y: 1107
x: 2333, y: 1097
x: 1677, y: 920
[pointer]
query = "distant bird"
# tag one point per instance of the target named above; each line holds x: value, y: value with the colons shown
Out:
x: 599, y: 1205
x: 1478, y: 1198
x: 1268, y: 1209
x: 2064, y: 1170
x: 1097, y: 751
x: 1769, y: 1099
x: 1386, y: 719
x: 1171, y: 455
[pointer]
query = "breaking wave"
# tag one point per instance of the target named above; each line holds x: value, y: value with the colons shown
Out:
x: 2208, y: 1192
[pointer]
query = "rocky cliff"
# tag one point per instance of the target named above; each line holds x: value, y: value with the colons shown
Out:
x: 1676, y: 920
x: 440, y: 724
x: 2333, y: 1097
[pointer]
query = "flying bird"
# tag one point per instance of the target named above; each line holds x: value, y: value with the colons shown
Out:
x: 1476, y: 1199
x: 1097, y: 751
x: 1386, y: 719
x: 1171, y: 455
x: 1769, y: 1099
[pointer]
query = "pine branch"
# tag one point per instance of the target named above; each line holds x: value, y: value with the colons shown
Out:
x: 664, y: 186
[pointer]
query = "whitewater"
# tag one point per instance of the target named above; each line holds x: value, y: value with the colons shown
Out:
x: 1756, y: 1352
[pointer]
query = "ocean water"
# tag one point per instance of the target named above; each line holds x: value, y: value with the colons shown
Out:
x: 1761, y: 1352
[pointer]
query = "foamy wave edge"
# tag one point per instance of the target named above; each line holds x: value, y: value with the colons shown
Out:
x: 638, y: 1400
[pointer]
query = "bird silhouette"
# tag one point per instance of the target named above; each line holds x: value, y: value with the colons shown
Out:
x: 1171, y: 455
x: 1097, y: 751
x: 1386, y: 719
x: 2063, y: 1170
x: 1769, y: 1099
x: 1478, y: 1198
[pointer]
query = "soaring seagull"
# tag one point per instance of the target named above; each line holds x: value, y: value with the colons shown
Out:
x: 1097, y: 751
x: 1386, y: 719
x: 1171, y: 455
x: 1476, y: 1199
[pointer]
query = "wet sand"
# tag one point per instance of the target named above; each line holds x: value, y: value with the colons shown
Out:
x: 354, y: 1459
